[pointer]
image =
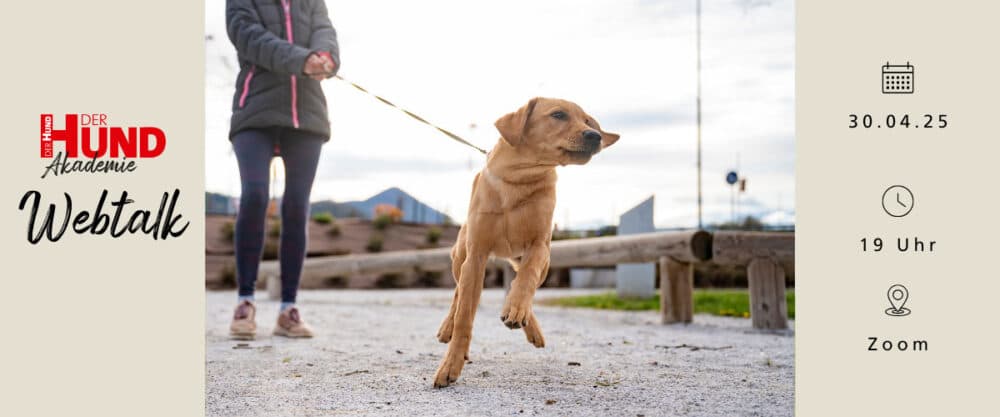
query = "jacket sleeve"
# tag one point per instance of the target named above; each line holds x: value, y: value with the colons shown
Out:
x: 324, y: 36
x: 255, y: 43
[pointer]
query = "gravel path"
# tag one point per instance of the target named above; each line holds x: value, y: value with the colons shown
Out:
x: 376, y: 353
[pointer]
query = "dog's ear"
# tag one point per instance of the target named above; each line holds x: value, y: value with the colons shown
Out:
x: 513, y: 125
x: 608, y: 139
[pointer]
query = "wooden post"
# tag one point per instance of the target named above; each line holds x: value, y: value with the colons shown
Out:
x: 768, y: 307
x: 676, y: 290
x: 508, y: 276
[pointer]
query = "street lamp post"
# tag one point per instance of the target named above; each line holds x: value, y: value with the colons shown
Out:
x: 698, y: 49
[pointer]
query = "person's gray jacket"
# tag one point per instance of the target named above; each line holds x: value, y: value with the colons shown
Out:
x: 273, y: 39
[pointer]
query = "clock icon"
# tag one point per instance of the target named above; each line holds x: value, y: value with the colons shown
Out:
x: 897, y: 201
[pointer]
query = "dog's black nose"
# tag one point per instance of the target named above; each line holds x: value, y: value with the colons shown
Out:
x: 592, y: 137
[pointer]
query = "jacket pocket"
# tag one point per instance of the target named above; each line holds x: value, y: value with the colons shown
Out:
x: 246, y: 85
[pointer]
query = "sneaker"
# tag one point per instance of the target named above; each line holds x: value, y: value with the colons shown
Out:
x: 244, y: 327
x: 290, y: 324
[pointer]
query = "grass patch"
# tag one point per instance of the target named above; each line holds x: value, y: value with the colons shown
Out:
x: 730, y: 302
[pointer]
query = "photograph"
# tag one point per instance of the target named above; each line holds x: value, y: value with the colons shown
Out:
x: 400, y: 197
x: 601, y: 208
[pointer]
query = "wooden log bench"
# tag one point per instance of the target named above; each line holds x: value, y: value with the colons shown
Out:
x: 683, y: 246
x: 763, y: 254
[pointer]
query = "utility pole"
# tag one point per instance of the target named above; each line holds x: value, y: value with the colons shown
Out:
x: 739, y: 188
x: 698, y: 38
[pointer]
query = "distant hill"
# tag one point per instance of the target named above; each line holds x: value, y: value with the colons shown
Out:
x: 414, y: 211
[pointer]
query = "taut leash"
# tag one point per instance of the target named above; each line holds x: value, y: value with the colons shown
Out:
x: 447, y: 133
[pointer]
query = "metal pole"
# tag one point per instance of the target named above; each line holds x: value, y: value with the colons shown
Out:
x: 732, y: 203
x: 698, y: 37
x: 736, y: 187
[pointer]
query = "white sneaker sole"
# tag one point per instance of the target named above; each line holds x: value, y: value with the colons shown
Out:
x: 284, y: 333
x: 242, y: 335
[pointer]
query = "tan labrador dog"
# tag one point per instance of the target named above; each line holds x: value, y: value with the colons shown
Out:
x: 510, y: 216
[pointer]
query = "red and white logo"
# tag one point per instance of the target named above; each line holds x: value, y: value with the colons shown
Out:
x: 90, y: 136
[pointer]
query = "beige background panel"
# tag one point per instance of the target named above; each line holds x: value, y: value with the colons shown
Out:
x: 94, y: 325
x: 841, y: 175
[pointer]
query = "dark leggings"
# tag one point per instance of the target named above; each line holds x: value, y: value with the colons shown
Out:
x: 254, y: 149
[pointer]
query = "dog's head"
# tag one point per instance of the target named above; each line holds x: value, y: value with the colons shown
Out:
x: 556, y: 131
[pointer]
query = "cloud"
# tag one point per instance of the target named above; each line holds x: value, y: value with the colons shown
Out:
x: 350, y: 166
x: 629, y: 64
x: 646, y: 118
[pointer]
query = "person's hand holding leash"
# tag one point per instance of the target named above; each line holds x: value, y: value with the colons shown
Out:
x: 319, y: 66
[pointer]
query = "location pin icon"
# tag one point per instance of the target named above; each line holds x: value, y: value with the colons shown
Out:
x: 897, y: 297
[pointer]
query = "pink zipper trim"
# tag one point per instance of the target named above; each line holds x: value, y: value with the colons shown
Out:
x: 295, y: 105
x: 246, y: 86
x: 287, y: 4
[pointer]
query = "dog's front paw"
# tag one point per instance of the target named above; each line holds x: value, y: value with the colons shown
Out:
x: 449, y: 371
x: 516, y: 310
x: 447, y: 327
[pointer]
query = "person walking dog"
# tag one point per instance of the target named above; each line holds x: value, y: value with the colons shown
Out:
x: 285, y: 48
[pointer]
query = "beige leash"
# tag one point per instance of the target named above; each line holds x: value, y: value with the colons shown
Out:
x: 447, y: 133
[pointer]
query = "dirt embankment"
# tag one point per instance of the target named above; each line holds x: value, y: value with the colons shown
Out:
x: 341, y: 237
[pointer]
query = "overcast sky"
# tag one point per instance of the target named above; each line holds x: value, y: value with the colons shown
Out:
x: 630, y: 64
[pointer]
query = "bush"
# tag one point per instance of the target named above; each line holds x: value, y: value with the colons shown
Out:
x: 228, y: 276
x: 428, y: 279
x: 712, y: 275
x: 607, y: 231
x: 228, y: 230
x: 382, y: 221
x: 336, y: 282
x: 375, y: 243
x: 339, y: 252
x: 749, y: 223
x: 433, y: 235
x: 389, y: 281
x: 390, y: 210
x: 334, y: 230
x: 270, y: 252
x: 275, y: 230
x: 323, y: 218
x: 564, y: 235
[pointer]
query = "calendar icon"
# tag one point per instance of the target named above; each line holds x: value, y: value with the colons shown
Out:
x: 897, y: 79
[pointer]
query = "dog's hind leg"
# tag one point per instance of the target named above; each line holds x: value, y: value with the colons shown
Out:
x: 458, y: 254
x: 448, y: 325
x: 517, y: 307
x: 470, y: 287
x: 532, y: 330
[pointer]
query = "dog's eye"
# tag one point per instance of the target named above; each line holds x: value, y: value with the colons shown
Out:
x: 559, y: 115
